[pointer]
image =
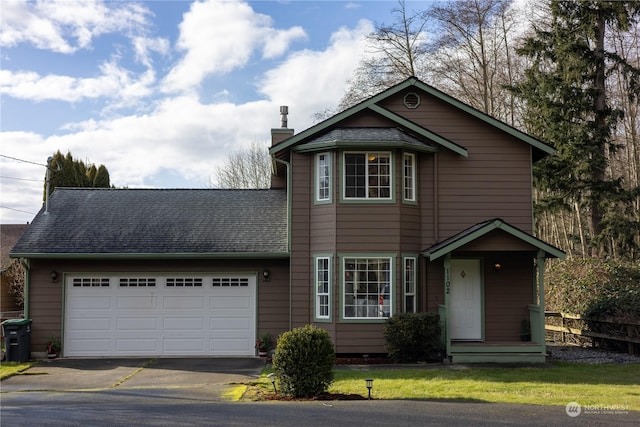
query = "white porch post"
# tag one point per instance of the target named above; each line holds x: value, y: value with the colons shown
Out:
x: 447, y: 290
x: 540, y: 262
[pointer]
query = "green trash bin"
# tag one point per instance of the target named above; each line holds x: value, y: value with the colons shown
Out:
x: 17, y: 339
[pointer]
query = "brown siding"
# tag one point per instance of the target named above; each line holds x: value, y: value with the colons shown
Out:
x: 507, y: 295
x: 301, y: 194
x: 493, y: 181
x: 434, y: 285
x: 46, y: 305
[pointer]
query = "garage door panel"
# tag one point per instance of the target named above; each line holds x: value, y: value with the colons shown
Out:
x: 94, y: 302
x: 183, y: 345
x: 156, y: 315
x: 137, y: 346
x: 185, y: 324
x: 230, y: 302
x: 136, y: 301
x: 137, y: 324
x: 88, y: 346
x: 229, y: 346
x: 92, y: 324
x: 234, y: 324
x: 183, y: 302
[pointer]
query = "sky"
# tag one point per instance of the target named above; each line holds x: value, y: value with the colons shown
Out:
x: 160, y: 92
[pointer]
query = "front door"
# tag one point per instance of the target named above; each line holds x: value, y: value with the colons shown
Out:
x: 465, y: 300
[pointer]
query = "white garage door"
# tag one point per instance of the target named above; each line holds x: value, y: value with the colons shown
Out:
x: 156, y: 315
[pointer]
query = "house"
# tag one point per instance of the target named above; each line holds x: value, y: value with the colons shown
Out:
x: 409, y: 201
x: 9, y: 235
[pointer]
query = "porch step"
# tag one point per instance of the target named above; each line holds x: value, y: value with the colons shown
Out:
x: 498, y: 358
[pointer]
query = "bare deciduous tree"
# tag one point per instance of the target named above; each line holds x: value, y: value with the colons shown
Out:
x: 396, y: 52
x: 246, y: 168
x: 15, y: 276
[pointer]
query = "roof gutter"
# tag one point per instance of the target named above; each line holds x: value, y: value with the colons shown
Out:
x: 209, y: 255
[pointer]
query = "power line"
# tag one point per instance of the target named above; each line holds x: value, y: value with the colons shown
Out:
x: 21, y: 160
x: 20, y: 179
x: 17, y: 210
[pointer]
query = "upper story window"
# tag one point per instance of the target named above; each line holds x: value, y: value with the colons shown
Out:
x: 367, y: 175
x: 409, y: 179
x: 323, y: 177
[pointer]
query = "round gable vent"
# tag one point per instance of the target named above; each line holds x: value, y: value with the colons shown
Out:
x: 411, y: 100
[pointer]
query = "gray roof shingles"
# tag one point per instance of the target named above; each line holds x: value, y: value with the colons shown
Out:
x: 166, y: 221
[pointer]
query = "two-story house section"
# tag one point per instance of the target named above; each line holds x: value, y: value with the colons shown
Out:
x: 409, y: 201
x: 413, y: 201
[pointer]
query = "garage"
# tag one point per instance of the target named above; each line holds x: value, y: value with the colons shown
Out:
x: 159, y: 315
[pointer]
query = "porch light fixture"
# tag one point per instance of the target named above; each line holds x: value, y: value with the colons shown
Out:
x: 497, y: 266
x: 369, y: 382
x: 266, y: 274
x: 272, y: 378
x: 54, y: 276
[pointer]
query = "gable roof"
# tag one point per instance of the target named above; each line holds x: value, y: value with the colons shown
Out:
x: 148, y: 223
x: 540, y: 148
x: 9, y: 235
x: 479, y: 230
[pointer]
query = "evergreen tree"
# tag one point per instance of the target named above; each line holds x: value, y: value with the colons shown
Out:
x: 68, y: 172
x: 566, y: 100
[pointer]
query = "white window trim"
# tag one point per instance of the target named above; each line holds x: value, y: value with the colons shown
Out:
x: 413, y: 178
x: 385, y: 257
x: 366, y: 154
x: 318, y: 198
x: 406, y: 294
x: 317, y: 282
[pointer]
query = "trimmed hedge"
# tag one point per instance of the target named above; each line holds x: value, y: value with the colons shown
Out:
x: 303, y: 361
x: 413, y: 337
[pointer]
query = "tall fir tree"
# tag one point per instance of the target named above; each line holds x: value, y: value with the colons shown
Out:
x: 68, y: 172
x: 566, y: 105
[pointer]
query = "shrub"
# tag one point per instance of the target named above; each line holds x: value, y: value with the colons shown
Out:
x: 304, y: 361
x: 411, y: 337
x: 593, y: 288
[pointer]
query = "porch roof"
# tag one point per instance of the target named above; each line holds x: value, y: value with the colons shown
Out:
x: 475, y: 232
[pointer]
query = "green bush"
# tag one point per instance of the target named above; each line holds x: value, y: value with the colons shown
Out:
x: 412, y: 337
x: 303, y: 362
x: 593, y: 288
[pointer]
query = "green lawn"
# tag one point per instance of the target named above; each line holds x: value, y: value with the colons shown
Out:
x: 556, y: 384
x: 11, y: 368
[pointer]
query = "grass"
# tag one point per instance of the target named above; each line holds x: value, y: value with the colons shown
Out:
x: 8, y: 369
x: 556, y: 384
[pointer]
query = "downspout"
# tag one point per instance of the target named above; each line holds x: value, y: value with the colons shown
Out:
x: 27, y: 278
x: 288, y: 166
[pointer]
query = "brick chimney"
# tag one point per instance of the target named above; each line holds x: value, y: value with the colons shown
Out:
x: 278, y: 135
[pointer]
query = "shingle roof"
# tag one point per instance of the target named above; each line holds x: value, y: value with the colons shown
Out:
x: 368, y: 135
x: 168, y: 221
x: 9, y: 235
x: 476, y: 231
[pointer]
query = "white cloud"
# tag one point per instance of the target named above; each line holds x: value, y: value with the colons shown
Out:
x: 114, y: 82
x: 311, y: 81
x: 220, y: 36
x: 66, y: 26
x: 181, y: 135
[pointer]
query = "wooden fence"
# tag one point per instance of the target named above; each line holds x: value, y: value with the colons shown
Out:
x: 623, y: 334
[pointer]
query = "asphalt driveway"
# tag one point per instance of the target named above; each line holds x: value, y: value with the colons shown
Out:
x: 209, y: 377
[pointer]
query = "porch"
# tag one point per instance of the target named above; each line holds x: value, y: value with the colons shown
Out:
x: 497, y: 351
